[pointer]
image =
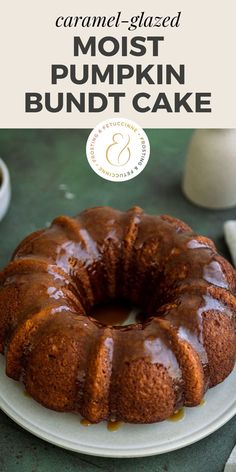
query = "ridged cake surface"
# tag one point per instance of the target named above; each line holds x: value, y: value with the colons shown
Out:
x: 140, y: 373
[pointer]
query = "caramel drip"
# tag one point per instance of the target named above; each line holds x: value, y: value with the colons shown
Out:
x: 134, y: 217
x: 76, y: 255
x: 111, y: 252
x: 185, y: 264
x: 144, y: 265
x: 33, y: 266
x: 178, y: 225
x: 75, y: 335
x: 154, y: 248
x: 202, y: 402
x: 189, y: 362
x: 85, y: 422
x: 160, y: 347
x: 111, y: 266
x: 186, y: 316
x: 193, y: 266
x: 103, y: 242
x: 150, y: 344
x: 198, y: 241
x: 37, y: 276
x: 31, y: 287
x: 24, y: 265
x: 97, y: 376
x: 113, y: 426
x: 71, y: 228
x: 178, y: 415
x: 44, y: 247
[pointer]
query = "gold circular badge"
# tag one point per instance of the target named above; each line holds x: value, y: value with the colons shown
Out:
x: 118, y: 149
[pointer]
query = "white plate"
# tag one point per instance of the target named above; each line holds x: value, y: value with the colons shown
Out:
x: 65, y: 430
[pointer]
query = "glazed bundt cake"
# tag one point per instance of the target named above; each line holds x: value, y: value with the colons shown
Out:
x: 140, y: 373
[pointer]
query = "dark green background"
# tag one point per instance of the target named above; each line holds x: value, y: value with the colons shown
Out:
x: 39, y: 162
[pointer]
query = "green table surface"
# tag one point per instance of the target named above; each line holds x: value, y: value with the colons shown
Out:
x: 42, y: 163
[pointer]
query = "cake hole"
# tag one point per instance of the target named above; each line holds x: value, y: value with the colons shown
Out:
x: 115, y: 313
x: 140, y: 316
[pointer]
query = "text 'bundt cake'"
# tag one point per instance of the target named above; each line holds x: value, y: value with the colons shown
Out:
x: 140, y: 373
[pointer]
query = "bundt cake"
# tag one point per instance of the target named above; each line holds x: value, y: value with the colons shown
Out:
x: 139, y: 373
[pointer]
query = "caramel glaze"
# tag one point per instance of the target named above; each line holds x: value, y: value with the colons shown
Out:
x: 113, y: 426
x: 174, y: 275
x: 85, y: 422
x: 178, y: 415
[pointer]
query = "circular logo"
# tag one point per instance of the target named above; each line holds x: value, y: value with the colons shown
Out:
x: 118, y: 149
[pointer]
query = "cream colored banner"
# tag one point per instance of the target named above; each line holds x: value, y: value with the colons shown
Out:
x: 202, y: 39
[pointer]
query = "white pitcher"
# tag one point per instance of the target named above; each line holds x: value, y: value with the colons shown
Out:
x: 210, y: 173
x: 5, y: 189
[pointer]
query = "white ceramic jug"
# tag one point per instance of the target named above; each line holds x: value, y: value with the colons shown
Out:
x: 210, y: 173
x: 5, y: 189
